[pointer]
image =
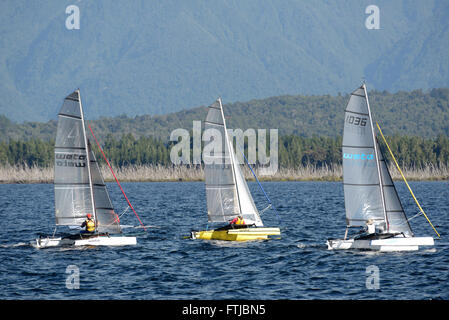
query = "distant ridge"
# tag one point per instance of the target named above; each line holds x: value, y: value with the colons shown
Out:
x: 414, y: 113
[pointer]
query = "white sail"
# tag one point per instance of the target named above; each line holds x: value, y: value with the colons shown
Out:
x: 78, y: 183
x: 71, y: 182
x: 370, y: 194
x: 247, y: 207
x: 226, y: 190
x: 221, y: 191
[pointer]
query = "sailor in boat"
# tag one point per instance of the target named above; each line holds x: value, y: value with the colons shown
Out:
x: 373, y: 230
x: 370, y: 227
x: 89, y: 224
x: 237, y: 221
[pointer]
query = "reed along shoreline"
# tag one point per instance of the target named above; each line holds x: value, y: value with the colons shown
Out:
x: 156, y: 173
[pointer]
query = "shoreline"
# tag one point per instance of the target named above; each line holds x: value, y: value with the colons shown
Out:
x: 150, y: 173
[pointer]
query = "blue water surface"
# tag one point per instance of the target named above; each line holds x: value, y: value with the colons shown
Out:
x: 166, y: 265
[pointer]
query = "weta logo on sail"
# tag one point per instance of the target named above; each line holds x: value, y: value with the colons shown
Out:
x: 357, y: 156
x: 70, y: 160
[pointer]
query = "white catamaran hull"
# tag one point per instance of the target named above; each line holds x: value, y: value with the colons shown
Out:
x: 384, y: 245
x: 93, y: 241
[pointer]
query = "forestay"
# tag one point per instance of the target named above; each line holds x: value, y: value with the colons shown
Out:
x: 226, y: 190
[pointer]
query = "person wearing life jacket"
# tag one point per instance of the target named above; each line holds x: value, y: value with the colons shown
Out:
x: 237, y: 221
x: 89, y: 224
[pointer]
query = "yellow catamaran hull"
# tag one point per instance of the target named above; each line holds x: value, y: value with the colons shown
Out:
x: 243, y: 234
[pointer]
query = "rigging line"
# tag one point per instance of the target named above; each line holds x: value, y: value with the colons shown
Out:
x: 117, y: 219
x: 124, y: 212
x: 268, y: 207
x: 405, y: 180
x: 266, y: 196
x: 54, y: 232
x: 416, y: 215
x: 112, y: 171
x: 406, y: 221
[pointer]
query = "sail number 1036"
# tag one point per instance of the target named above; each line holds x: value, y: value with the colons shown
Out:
x: 357, y: 121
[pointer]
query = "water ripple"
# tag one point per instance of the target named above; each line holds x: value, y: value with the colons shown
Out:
x: 165, y: 265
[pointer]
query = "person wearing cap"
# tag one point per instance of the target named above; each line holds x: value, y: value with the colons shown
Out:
x: 89, y: 224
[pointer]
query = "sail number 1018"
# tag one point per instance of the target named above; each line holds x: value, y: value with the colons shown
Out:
x: 357, y: 121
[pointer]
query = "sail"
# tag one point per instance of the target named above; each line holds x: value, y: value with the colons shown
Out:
x: 226, y: 189
x: 363, y: 199
x: 106, y: 219
x: 247, y: 207
x: 221, y: 192
x: 71, y: 182
x: 396, y: 218
x: 370, y: 193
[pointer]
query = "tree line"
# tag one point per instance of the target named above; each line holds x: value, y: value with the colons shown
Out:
x: 294, y: 151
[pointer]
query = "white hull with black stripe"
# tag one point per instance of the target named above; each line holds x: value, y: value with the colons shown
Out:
x: 95, y: 240
x: 384, y: 245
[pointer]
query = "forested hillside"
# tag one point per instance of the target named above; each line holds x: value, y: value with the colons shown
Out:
x: 416, y: 113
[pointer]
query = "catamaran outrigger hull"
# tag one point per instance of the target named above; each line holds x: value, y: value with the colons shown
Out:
x: 91, y: 241
x: 242, y: 234
x: 384, y: 245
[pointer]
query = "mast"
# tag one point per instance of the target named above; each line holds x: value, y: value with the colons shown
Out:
x: 88, y: 159
x: 230, y: 155
x: 376, y: 158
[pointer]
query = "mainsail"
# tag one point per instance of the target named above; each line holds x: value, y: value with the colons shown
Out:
x: 226, y: 190
x: 369, y: 191
x: 71, y: 182
x: 79, y: 186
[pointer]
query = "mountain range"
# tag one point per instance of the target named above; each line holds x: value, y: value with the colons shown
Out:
x: 143, y: 57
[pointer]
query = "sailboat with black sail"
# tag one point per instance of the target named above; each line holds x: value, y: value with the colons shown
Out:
x: 371, y: 200
x: 227, y: 193
x: 79, y: 186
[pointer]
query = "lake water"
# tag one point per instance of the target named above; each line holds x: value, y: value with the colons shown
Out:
x: 165, y: 265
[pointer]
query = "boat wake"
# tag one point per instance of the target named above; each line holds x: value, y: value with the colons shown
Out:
x: 15, y: 245
x: 310, y: 245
